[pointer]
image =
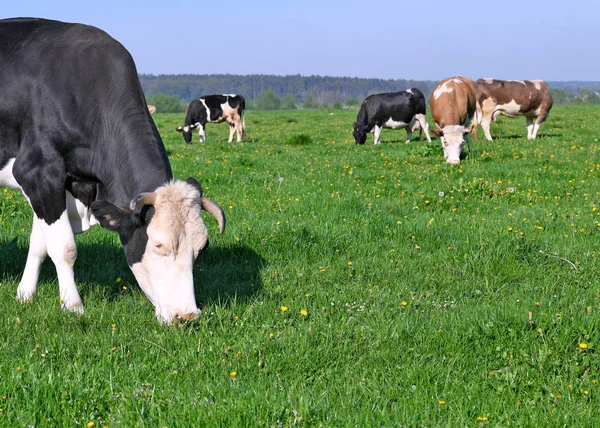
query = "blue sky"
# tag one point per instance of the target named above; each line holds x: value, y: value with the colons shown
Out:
x: 427, y: 40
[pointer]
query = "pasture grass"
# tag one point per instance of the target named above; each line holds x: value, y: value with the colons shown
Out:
x: 354, y: 286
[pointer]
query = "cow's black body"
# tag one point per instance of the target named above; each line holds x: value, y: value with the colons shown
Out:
x: 74, y: 118
x: 376, y: 110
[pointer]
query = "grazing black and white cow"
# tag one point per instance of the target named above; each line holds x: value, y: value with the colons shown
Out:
x: 529, y: 98
x: 215, y: 109
x: 393, y: 110
x: 76, y: 137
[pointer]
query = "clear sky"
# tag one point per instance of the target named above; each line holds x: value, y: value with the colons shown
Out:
x: 390, y: 39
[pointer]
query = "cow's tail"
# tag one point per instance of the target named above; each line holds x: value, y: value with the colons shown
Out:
x: 243, y: 118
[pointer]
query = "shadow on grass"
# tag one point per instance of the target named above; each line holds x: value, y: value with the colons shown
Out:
x: 220, y: 274
x: 516, y: 136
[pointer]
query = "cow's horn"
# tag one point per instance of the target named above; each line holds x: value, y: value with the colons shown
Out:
x: 216, y: 211
x: 146, y: 198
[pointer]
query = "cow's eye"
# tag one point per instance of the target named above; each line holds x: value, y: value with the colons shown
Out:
x: 159, y: 249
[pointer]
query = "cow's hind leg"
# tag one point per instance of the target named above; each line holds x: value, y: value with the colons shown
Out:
x: 231, y: 132
x: 424, y: 125
x: 529, y: 122
x: 487, y: 110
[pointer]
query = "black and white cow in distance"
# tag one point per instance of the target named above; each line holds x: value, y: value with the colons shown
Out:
x: 215, y: 109
x: 512, y: 98
x: 395, y: 110
x: 76, y: 137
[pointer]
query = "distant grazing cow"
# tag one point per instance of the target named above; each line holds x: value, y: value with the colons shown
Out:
x: 393, y: 110
x: 529, y: 98
x: 76, y: 137
x: 453, y: 107
x: 215, y: 109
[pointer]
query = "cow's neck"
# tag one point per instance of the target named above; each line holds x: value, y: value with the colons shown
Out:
x: 139, y: 164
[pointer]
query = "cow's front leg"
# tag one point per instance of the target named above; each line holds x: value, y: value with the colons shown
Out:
x: 376, y: 132
x: 35, y: 257
x: 60, y: 244
x: 201, y: 133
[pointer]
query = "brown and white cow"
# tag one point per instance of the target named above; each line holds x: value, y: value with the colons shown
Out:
x: 453, y: 107
x: 529, y: 98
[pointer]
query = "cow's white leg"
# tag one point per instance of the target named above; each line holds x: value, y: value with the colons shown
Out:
x: 487, y: 111
x: 408, y: 135
x: 60, y: 244
x: 444, y: 147
x: 376, y: 132
x: 231, y: 132
x: 201, y: 133
x: 485, y: 125
x: 35, y: 257
x: 529, y: 122
x: 535, y: 130
x: 239, y: 129
x: 424, y: 125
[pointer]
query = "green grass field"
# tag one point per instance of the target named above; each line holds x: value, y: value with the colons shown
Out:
x: 354, y: 286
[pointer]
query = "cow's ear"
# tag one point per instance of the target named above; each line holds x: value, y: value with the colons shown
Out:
x: 112, y: 217
x: 436, y: 132
x: 179, y: 129
x: 194, y: 183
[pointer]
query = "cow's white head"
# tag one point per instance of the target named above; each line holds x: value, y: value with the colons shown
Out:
x: 162, y: 234
x: 453, y: 138
x: 186, y: 131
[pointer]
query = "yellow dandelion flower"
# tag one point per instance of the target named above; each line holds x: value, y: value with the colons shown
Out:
x: 482, y: 418
x: 233, y: 374
x: 350, y: 264
x: 118, y: 280
x: 271, y: 335
x: 586, y: 392
x: 510, y: 229
x: 593, y: 381
x: 91, y: 424
x: 583, y: 345
x: 404, y: 303
x: 537, y: 304
x: 441, y: 402
x: 283, y: 308
x: 18, y: 368
x: 303, y: 312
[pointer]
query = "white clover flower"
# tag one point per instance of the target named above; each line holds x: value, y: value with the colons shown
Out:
x: 441, y: 194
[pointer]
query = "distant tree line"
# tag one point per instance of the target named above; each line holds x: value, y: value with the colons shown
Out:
x: 172, y: 93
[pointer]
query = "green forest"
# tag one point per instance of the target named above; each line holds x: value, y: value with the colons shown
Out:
x: 172, y: 93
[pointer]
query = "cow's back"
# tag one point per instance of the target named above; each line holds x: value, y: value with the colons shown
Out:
x: 526, y: 95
